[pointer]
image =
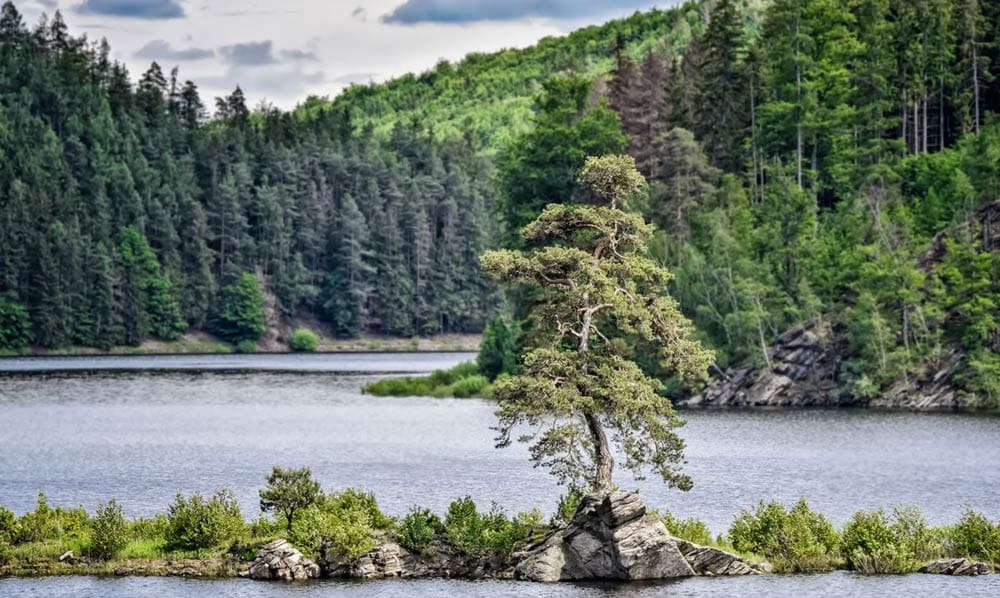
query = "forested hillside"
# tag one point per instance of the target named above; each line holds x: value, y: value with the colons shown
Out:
x: 488, y: 98
x: 801, y: 173
x: 125, y: 211
x: 802, y: 157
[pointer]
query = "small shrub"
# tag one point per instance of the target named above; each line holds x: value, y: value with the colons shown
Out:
x: 478, y: 535
x: 364, y: 502
x: 110, y: 533
x: 469, y: 387
x: 418, y: 529
x: 872, y: 546
x: 8, y: 526
x: 150, y: 529
x: 691, y: 529
x: 304, y: 341
x: 6, y: 553
x: 38, y: 525
x: 347, y: 520
x: 567, y: 506
x: 198, y: 524
x: 796, y: 540
x: 246, y: 346
x: 974, y: 537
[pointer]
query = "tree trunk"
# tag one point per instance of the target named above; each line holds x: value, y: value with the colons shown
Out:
x: 603, y: 462
x: 798, y: 94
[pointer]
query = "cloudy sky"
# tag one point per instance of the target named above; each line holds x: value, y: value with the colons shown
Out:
x: 284, y: 50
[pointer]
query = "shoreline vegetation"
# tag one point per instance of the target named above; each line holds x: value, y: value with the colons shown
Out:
x: 204, y: 344
x: 207, y: 536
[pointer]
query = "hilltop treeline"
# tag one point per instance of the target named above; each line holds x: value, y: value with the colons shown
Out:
x: 124, y: 210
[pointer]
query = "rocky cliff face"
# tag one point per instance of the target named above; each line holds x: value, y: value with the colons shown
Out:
x: 806, y: 371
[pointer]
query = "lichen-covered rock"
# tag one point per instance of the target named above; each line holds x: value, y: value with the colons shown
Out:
x: 610, y: 537
x: 963, y: 567
x: 712, y: 562
x: 279, y: 560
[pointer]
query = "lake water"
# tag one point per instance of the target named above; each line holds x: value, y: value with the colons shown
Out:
x: 141, y: 437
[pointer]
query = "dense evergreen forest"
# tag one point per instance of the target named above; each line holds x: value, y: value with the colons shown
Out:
x: 126, y: 211
x: 803, y: 157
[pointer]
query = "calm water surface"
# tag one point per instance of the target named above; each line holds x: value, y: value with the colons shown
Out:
x: 141, y: 437
x: 839, y: 585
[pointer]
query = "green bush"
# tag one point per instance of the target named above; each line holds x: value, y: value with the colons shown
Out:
x: 154, y: 528
x: 472, y: 386
x: 246, y: 346
x: 6, y: 553
x: 110, y: 531
x: 8, y: 526
x: 796, y: 540
x: 462, y: 381
x: 15, y: 326
x: 304, y: 341
x: 691, y: 529
x: 418, y: 529
x: 347, y: 520
x: 198, y: 524
x: 477, y: 535
x: 974, y: 537
x: 875, y: 543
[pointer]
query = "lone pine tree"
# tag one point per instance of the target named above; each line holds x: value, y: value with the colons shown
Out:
x: 597, y: 288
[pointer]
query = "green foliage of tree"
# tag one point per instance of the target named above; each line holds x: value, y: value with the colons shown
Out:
x: 595, y: 280
x: 149, y: 300
x: 241, y: 313
x: 542, y: 165
x: 110, y: 531
x: 15, y: 326
x: 498, y: 351
x: 289, y: 491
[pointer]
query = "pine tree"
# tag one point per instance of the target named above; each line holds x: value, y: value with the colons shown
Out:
x: 346, y: 290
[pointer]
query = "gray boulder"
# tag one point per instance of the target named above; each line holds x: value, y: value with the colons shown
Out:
x: 712, y: 562
x: 956, y: 567
x: 280, y: 561
x: 614, y: 537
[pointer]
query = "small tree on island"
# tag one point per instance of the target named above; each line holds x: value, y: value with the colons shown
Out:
x: 597, y: 287
x: 288, y: 491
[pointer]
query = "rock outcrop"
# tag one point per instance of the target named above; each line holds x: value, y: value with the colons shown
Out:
x: 392, y: 560
x: 614, y: 537
x: 279, y: 560
x: 963, y: 567
x: 712, y: 562
x: 805, y: 372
